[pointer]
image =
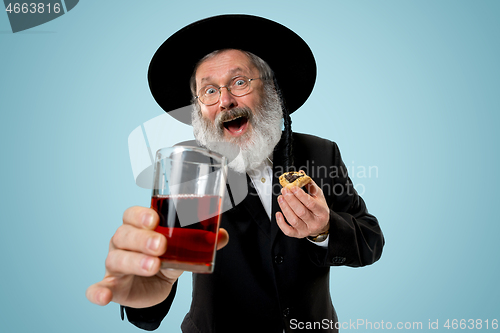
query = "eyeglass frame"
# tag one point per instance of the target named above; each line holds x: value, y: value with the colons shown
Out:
x: 249, y: 80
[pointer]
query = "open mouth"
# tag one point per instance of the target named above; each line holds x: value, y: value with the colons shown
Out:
x: 236, y: 126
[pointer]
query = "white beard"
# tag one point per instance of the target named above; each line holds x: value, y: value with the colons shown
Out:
x: 254, y: 146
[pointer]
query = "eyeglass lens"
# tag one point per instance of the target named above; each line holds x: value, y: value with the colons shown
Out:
x: 238, y: 86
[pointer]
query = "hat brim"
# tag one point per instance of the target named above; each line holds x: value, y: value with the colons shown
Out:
x: 287, y: 54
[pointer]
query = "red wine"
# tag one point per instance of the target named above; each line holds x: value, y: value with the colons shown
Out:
x: 190, y: 223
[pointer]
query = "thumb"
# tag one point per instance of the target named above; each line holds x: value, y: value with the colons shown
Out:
x: 223, y: 238
x: 101, y: 293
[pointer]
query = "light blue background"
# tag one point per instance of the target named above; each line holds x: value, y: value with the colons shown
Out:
x: 411, y: 87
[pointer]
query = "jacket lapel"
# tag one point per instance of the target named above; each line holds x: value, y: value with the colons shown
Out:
x: 253, y: 205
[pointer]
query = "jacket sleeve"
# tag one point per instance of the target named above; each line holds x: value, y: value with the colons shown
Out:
x: 150, y: 318
x: 355, y: 237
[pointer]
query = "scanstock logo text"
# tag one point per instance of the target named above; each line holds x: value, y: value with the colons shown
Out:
x: 26, y: 15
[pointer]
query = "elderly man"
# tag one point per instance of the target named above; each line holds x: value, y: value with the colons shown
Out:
x: 273, y: 273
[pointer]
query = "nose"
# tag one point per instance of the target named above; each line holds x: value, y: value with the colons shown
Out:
x: 227, y: 100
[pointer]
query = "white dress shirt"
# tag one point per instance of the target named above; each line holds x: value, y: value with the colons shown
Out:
x: 262, y: 179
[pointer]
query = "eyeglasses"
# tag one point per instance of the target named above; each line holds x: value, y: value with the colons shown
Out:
x: 238, y: 86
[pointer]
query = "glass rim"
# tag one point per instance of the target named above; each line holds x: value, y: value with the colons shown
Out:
x: 221, y: 160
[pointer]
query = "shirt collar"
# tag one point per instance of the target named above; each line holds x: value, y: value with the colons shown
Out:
x: 259, y: 170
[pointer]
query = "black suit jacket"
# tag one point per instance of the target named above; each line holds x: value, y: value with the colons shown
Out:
x: 265, y: 281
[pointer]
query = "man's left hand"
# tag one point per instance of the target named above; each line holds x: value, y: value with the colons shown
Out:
x: 307, y: 214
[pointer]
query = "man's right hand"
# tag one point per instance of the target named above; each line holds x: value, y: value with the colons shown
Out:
x: 133, y: 276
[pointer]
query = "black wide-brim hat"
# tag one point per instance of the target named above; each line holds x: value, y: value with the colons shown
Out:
x: 287, y: 54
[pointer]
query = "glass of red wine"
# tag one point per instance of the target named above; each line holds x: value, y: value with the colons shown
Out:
x: 188, y: 191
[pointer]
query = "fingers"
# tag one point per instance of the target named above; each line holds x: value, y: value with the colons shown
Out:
x: 121, y: 262
x: 296, y: 201
x: 133, y: 252
x: 141, y: 217
x: 134, y: 248
x: 306, y: 214
x: 296, y: 227
x: 287, y: 230
x: 314, y: 203
x: 128, y: 237
x: 314, y: 190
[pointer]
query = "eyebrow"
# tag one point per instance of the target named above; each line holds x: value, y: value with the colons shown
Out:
x: 230, y: 72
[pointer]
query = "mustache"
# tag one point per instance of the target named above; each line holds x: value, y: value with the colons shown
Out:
x: 222, y: 117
